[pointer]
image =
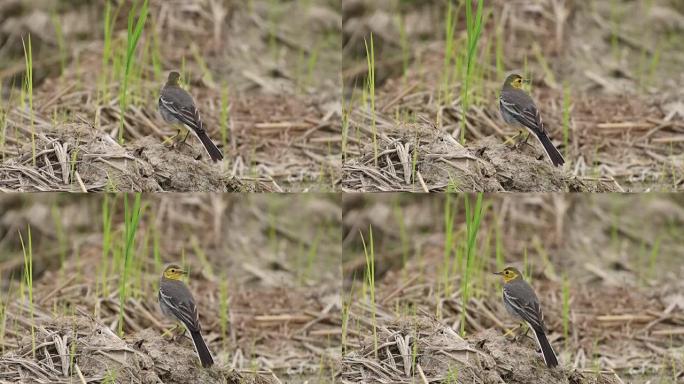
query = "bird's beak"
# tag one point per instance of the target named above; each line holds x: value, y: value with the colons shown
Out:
x: 184, y: 272
x: 498, y: 273
x: 526, y: 81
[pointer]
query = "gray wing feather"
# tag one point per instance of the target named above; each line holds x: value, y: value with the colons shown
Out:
x: 528, y: 311
x: 187, y: 115
x: 184, y: 311
x: 528, y: 116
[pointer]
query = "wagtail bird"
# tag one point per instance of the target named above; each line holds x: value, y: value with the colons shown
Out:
x: 177, y: 107
x: 518, y: 109
x: 521, y: 302
x: 176, y: 302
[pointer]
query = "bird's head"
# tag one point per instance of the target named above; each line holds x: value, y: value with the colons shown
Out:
x: 174, y: 272
x: 173, y: 78
x: 509, y: 274
x: 515, y: 81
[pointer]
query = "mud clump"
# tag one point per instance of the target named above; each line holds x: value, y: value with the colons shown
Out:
x: 151, y: 166
x: 175, y: 170
x: 77, y: 345
x: 486, y: 357
x: 80, y: 159
x: 176, y: 362
x: 442, y: 163
x: 489, y: 165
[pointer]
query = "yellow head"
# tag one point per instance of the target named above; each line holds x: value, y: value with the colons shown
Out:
x: 174, y: 272
x: 509, y: 274
x: 515, y: 81
x: 173, y: 78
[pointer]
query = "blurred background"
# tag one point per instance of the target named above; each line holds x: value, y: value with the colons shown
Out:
x: 607, y: 47
x: 606, y: 268
x: 267, y: 290
x: 249, y: 46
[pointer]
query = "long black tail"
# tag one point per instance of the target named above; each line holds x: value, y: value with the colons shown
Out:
x: 551, y: 151
x: 548, y: 353
x: 202, y: 350
x: 209, y: 145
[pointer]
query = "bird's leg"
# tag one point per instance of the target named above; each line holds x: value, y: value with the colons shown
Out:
x: 171, y: 331
x: 524, y: 141
x: 172, y: 139
x: 515, y: 332
x: 180, y: 332
x: 175, y: 332
x: 509, y: 331
x: 513, y: 139
x: 187, y: 133
x: 522, y: 335
x: 512, y: 331
x: 524, y: 136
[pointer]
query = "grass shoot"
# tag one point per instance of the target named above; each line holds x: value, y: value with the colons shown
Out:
x: 224, y: 314
x: 449, y: 55
x: 474, y: 29
x: 27, y: 250
x: 405, y: 49
x: 134, y: 33
x: 346, y: 112
x: 60, y: 41
x: 346, y: 311
x: 566, y: 309
x: 472, y: 222
x: 369, y: 283
x: 566, y: 119
x: 224, y: 119
x: 449, y: 215
x: 108, y: 205
x: 498, y: 252
x: 28, y: 91
x: 3, y: 314
x: 499, y: 53
x: 106, y: 53
x: 132, y: 216
x: 370, y: 84
x: 3, y: 128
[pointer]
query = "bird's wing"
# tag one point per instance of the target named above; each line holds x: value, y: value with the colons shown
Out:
x: 532, y: 116
x: 189, y: 116
x: 185, y: 311
x: 529, y: 310
x: 528, y: 116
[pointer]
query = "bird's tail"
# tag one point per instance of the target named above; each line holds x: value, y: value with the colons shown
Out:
x: 549, y: 355
x: 209, y: 145
x: 551, y: 151
x: 201, y: 348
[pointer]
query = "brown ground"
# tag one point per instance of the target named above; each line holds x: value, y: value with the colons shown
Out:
x: 283, y: 128
x: 283, y: 308
x: 621, y: 64
x: 620, y: 254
